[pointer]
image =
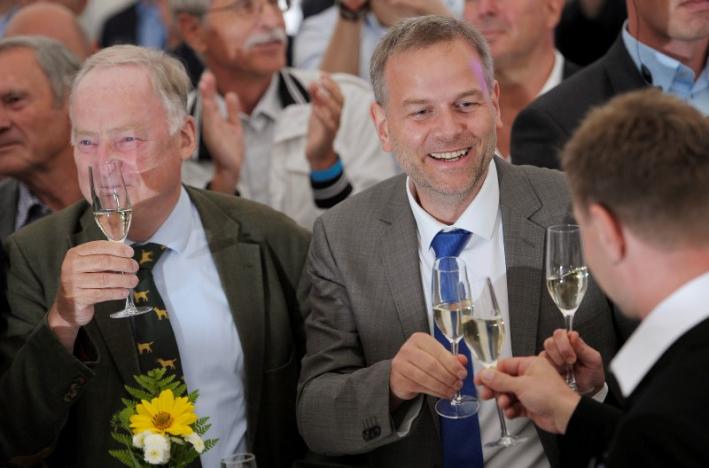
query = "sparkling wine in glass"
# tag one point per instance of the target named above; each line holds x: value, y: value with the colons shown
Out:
x: 484, y: 333
x: 112, y: 213
x: 239, y: 460
x: 566, y: 276
x: 451, y: 300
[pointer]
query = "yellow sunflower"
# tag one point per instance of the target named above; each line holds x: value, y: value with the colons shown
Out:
x: 164, y: 414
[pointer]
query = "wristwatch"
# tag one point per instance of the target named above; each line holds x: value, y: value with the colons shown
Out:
x: 348, y: 14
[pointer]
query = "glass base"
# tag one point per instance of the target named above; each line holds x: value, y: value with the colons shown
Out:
x: 130, y: 312
x: 465, y: 407
x: 507, y: 441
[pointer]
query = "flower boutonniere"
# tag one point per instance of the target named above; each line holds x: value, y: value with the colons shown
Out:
x: 158, y: 426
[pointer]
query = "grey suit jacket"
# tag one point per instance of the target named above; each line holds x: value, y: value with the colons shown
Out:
x: 9, y: 193
x: 366, y: 300
x: 57, y: 406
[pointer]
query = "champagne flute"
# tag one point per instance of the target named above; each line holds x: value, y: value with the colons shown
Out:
x: 484, y: 333
x: 566, y: 276
x: 239, y: 460
x: 450, y: 299
x: 112, y: 213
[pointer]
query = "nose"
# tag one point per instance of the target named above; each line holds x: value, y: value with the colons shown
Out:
x: 486, y: 7
x: 270, y: 15
x: 4, y: 119
x: 449, y: 126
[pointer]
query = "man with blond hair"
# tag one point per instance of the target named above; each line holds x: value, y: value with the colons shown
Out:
x: 234, y: 335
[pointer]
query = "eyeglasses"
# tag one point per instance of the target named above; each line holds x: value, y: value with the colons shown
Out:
x: 251, y: 8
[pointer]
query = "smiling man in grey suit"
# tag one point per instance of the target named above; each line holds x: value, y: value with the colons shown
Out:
x: 227, y: 274
x: 372, y: 364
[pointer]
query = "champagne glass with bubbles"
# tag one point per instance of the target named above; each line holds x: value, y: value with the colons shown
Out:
x: 484, y: 333
x: 451, y: 299
x: 113, y: 212
x: 566, y: 276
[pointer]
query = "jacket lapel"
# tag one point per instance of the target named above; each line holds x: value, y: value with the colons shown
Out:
x: 117, y: 333
x: 524, y: 257
x: 399, y: 255
x: 239, y: 266
x: 621, y: 70
x: 9, y: 193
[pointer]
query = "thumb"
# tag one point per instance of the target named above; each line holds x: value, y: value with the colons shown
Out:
x: 499, y: 382
x: 585, y: 353
x: 233, y: 107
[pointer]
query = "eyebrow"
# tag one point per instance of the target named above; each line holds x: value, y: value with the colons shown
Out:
x: 476, y: 93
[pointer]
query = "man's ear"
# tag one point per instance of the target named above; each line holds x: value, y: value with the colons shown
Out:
x: 381, y: 124
x: 190, y: 28
x: 188, y: 140
x: 611, y: 235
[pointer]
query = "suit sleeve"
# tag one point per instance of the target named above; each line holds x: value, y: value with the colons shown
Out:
x: 343, y: 404
x: 43, y: 380
x: 536, y: 139
x: 588, y: 433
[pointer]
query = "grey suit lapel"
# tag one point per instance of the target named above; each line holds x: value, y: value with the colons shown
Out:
x: 524, y: 256
x: 239, y: 266
x: 398, y: 250
x: 117, y: 333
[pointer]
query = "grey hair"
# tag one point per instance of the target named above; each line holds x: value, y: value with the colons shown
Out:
x: 57, y: 62
x: 193, y: 7
x: 421, y: 32
x: 168, y: 76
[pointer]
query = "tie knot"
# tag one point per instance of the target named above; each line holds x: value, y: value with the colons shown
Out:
x: 450, y: 243
x: 147, y: 255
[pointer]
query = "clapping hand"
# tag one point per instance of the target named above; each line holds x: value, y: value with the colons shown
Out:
x: 222, y: 135
x: 327, y: 102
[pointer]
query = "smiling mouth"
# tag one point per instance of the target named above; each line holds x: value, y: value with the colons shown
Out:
x: 450, y: 155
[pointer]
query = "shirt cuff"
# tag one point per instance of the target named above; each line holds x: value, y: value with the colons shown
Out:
x: 600, y: 396
x: 330, y: 186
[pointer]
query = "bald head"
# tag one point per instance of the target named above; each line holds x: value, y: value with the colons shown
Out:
x: 50, y: 20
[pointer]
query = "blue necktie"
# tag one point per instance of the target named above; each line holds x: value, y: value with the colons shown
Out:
x: 460, y: 437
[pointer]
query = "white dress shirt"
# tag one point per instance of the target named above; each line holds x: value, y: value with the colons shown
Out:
x: 673, y: 317
x: 200, y: 316
x: 484, y: 256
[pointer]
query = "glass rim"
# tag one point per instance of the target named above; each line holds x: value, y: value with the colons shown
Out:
x: 239, y: 458
x: 564, y: 228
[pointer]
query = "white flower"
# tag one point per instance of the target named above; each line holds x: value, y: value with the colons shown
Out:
x: 139, y: 439
x: 196, y: 442
x: 157, y: 449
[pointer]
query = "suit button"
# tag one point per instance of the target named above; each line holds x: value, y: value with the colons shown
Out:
x: 376, y: 431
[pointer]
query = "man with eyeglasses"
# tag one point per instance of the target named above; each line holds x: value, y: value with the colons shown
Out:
x: 297, y: 141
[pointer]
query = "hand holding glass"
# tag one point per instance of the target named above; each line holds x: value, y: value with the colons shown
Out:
x: 113, y: 212
x: 566, y: 276
x: 484, y: 333
x: 451, y: 298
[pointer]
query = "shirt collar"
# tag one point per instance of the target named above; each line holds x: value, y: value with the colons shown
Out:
x: 25, y: 201
x: 667, y: 73
x: 556, y: 75
x: 672, y: 318
x: 268, y: 107
x: 175, y: 232
x: 479, y: 217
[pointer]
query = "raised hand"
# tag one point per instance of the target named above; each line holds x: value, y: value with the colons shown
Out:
x: 223, y: 136
x: 563, y: 349
x: 90, y: 273
x: 423, y: 365
x: 327, y: 102
x: 531, y: 387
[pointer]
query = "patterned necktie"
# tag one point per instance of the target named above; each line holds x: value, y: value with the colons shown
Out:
x: 460, y: 437
x: 153, y: 334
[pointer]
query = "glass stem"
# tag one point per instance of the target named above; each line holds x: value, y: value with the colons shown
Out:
x: 130, y: 305
x: 457, y: 398
x: 503, y: 424
x: 570, y: 377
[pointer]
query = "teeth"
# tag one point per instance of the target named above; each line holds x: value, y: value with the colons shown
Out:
x: 450, y: 155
